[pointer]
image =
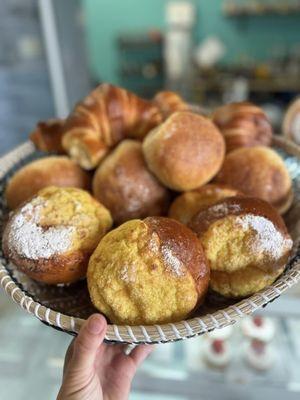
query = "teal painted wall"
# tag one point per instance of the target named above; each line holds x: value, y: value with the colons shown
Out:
x: 256, y: 37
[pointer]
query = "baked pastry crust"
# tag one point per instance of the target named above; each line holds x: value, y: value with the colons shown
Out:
x: 148, y: 272
x: 126, y: 187
x: 258, y: 172
x: 186, y: 205
x: 56, y: 170
x: 246, y: 242
x: 243, y: 124
x: 104, y: 118
x: 47, y: 135
x: 184, y: 152
x: 51, y: 237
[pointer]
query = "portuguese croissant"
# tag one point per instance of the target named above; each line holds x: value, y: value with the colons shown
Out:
x: 102, y: 119
x: 243, y: 125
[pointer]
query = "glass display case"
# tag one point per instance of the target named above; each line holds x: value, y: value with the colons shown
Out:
x: 32, y: 356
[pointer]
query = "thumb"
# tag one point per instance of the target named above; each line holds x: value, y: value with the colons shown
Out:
x: 87, y: 343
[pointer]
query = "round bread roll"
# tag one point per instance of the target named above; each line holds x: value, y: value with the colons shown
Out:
x: 124, y: 185
x: 58, y: 171
x: 243, y: 125
x: 186, y: 205
x: 291, y: 121
x: 246, y: 243
x: 258, y: 172
x: 51, y: 237
x: 185, y: 152
x: 148, y: 271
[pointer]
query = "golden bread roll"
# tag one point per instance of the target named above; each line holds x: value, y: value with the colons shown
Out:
x: 186, y: 205
x: 258, y: 172
x: 291, y: 121
x: 47, y: 135
x: 243, y: 125
x: 148, y: 272
x: 58, y: 171
x: 246, y: 243
x: 51, y: 237
x: 124, y: 185
x: 185, y: 152
x: 102, y: 119
x: 169, y: 102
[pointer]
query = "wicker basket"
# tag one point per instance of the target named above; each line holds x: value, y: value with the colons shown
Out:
x: 66, y: 307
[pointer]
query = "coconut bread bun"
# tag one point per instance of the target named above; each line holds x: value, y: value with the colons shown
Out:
x: 51, y: 237
x: 246, y: 243
x: 148, y: 272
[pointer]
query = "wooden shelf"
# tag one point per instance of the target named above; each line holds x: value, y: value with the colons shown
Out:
x: 255, y: 9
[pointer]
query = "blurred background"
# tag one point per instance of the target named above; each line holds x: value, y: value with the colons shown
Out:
x: 52, y: 52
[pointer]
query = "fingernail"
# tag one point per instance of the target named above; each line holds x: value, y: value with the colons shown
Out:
x: 95, y: 324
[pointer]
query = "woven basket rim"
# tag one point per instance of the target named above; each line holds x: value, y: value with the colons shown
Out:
x: 150, y: 334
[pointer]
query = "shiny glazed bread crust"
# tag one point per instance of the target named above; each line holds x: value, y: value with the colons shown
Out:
x: 185, y: 245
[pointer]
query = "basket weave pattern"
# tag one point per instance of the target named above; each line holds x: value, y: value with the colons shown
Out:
x: 156, y: 333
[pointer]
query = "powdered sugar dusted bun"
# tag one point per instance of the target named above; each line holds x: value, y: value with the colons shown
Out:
x: 148, y: 271
x: 51, y: 237
x: 243, y: 125
x: 184, y: 152
x: 126, y: 187
x: 246, y: 242
x: 258, y: 172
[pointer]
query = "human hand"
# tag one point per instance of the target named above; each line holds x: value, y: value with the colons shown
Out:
x: 94, y: 370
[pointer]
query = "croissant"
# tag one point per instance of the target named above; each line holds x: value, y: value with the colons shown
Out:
x: 47, y: 135
x: 243, y: 125
x: 169, y: 102
x: 102, y: 119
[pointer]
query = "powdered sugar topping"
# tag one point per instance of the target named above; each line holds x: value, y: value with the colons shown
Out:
x: 128, y: 273
x: 32, y: 241
x: 172, y: 261
x: 224, y: 209
x: 269, y: 239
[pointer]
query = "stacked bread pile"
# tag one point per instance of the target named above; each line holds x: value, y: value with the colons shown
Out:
x: 153, y: 203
